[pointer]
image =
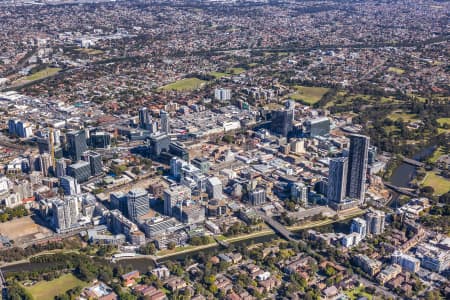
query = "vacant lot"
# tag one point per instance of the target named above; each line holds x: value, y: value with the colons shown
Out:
x: 186, y: 84
x: 440, y: 184
x: 308, y: 95
x: 22, y: 229
x: 47, y: 290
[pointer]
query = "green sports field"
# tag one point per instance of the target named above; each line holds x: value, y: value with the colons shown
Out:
x: 47, y: 290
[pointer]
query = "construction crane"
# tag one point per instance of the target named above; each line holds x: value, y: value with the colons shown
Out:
x: 52, y: 147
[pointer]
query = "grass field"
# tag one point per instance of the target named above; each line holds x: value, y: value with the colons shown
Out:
x: 397, y: 71
x: 236, y: 71
x: 442, y: 130
x: 47, y: 290
x: 440, y: 184
x: 38, y: 75
x: 356, y: 293
x: 396, y: 115
x: 436, y: 154
x: 308, y: 95
x: 443, y: 121
x: 186, y: 84
x: 218, y: 75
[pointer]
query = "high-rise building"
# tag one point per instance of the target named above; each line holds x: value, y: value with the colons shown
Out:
x: 12, y: 126
x: 179, y: 150
x: 45, y: 164
x: 357, y: 166
x: 360, y: 226
x: 81, y: 171
x: 375, y: 221
x: 76, y: 141
x: 95, y: 162
x: 318, y: 127
x: 119, y: 201
x: 100, y: 139
x: 138, y: 203
x: 407, y: 262
x: 60, y: 168
x: 298, y: 146
x: 144, y: 118
x: 175, y: 167
x: 282, y: 121
x: 337, y: 179
x: 257, y: 196
x: 202, y: 163
x: 299, y: 193
x: 69, y: 185
x: 173, y: 196
x: 159, y: 143
x: 222, y: 94
x: 65, y: 213
x: 214, y: 188
x: 165, y: 127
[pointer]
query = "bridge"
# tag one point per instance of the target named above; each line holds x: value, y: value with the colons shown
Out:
x: 222, y: 243
x: 401, y: 190
x: 413, y: 162
x: 277, y: 227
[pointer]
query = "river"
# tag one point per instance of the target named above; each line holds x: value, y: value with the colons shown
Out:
x: 404, y: 173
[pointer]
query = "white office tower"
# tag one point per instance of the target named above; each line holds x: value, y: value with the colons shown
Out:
x: 45, y: 163
x: 359, y: 226
x: 214, y: 188
x: 174, y: 195
x: 138, y: 203
x: 176, y: 165
x: 65, y: 213
x: 375, y: 221
x: 5, y: 184
x: 165, y: 127
x: 299, y: 193
x: 222, y: 94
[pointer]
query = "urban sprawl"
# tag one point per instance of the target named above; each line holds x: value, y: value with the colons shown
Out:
x: 224, y: 149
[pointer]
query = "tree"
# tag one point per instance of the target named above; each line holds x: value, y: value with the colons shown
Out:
x: 171, y: 245
x: 427, y: 191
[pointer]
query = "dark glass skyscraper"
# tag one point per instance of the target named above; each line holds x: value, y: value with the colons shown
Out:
x: 337, y: 179
x: 282, y: 121
x: 357, y: 166
x: 76, y: 141
x: 144, y: 118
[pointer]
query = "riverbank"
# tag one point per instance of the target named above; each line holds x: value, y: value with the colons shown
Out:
x: 144, y: 261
